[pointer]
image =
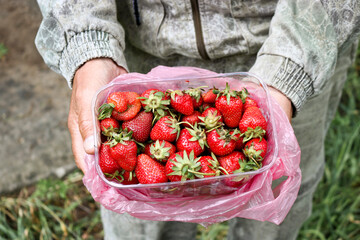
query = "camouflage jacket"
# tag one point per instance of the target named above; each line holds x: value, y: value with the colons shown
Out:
x: 297, y: 42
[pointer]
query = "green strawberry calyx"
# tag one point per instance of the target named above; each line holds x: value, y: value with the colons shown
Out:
x: 173, y: 123
x: 250, y: 133
x: 173, y: 93
x: 196, y: 92
x: 253, y: 154
x: 225, y: 135
x: 110, y: 131
x: 116, y: 175
x: 198, y: 134
x: 186, y: 166
x: 159, y: 152
x: 105, y: 110
x: 120, y: 138
x: 156, y: 104
x: 211, y: 120
x: 228, y: 93
x: 215, y: 166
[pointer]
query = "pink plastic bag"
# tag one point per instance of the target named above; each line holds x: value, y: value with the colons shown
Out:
x: 255, y: 200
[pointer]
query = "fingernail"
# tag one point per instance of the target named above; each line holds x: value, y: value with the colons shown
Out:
x: 89, y: 145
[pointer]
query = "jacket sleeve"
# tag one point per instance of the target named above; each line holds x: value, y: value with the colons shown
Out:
x: 304, y: 41
x: 73, y: 32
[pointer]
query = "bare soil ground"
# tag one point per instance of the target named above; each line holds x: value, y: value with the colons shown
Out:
x: 34, y: 102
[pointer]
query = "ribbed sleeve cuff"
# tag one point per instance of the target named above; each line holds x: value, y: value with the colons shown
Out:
x: 286, y: 76
x: 88, y: 45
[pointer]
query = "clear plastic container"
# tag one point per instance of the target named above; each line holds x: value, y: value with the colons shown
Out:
x: 205, y: 187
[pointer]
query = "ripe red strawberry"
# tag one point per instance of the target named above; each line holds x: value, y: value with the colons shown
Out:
x: 160, y: 150
x: 191, y: 119
x: 129, y: 178
x: 255, y: 149
x: 232, y: 163
x: 210, y: 96
x: 209, y: 166
x: 220, y: 142
x: 149, y: 171
x: 249, y: 102
x: 195, y: 94
x: 230, y: 104
x: 211, y: 118
x: 235, y: 163
x: 167, y: 128
x: 252, y: 124
x: 107, y: 164
x: 181, y: 102
x: 236, y: 135
x: 119, y: 100
x: 182, y: 166
x: 133, y: 107
x: 108, y: 126
x: 205, y: 106
x: 192, y: 139
x: 140, y: 125
x: 149, y: 93
x: 155, y: 101
x: 124, y: 151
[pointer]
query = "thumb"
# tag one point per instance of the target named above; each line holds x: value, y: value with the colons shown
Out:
x: 89, y: 144
x: 86, y: 126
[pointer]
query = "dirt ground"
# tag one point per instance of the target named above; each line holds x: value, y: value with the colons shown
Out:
x: 34, y: 103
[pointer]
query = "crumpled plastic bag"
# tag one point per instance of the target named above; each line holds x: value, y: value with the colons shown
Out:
x: 258, y: 200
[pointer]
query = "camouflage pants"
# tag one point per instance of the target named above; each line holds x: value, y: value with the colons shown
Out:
x: 310, y: 127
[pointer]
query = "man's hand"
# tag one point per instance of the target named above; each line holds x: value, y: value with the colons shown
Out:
x: 87, y: 81
x: 283, y: 101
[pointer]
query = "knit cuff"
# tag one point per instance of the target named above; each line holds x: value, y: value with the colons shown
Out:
x: 88, y: 45
x: 286, y: 76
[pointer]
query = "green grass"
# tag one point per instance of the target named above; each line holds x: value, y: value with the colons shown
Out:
x: 63, y: 209
x: 53, y: 209
x: 336, y: 209
x: 3, y: 50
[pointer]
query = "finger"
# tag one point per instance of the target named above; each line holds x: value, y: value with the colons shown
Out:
x: 77, y: 145
x: 86, y: 127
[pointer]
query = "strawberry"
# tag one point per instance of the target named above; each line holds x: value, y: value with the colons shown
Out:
x: 181, y: 102
x: 108, y: 126
x: 160, y: 150
x: 209, y: 166
x: 182, y: 166
x: 211, y: 118
x: 129, y: 178
x: 107, y: 163
x: 192, y: 139
x: 133, y: 107
x: 230, y: 104
x: 149, y: 171
x: 167, y: 128
x: 205, y: 106
x: 190, y: 120
x: 236, y: 135
x: 249, y: 102
x: 255, y: 149
x: 124, y: 150
x: 155, y: 101
x: 119, y: 100
x: 232, y: 163
x: 210, y: 96
x: 252, y: 124
x: 140, y: 125
x: 195, y: 94
x: 220, y: 142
